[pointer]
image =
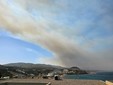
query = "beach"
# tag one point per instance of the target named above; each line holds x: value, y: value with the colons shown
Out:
x: 56, y: 82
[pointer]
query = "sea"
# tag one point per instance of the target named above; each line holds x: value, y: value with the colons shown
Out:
x: 97, y: 76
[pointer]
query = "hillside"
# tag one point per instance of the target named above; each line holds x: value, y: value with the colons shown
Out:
x: 25, y: 69
x: 30, y: 65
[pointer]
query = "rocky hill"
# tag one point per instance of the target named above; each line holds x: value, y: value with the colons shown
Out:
x: 31, y: 65
x: 26, y: 69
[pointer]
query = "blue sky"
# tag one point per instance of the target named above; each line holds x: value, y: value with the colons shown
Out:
x: 13, y: 50
x: 60, y: 32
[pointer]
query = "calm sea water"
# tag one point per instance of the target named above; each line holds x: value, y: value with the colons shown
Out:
x: 98, y: 76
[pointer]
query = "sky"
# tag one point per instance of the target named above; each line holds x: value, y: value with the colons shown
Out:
x: 57, y: 32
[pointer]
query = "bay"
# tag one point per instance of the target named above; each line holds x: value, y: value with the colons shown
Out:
x: 98, y: 76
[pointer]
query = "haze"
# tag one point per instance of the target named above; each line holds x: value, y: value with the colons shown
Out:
x: 58, y: 32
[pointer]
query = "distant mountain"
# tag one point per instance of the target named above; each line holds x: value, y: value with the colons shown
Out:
x: 25, y: 69
x: 30, y: 65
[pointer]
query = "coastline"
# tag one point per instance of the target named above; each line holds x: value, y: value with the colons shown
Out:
x: 98, y: 76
